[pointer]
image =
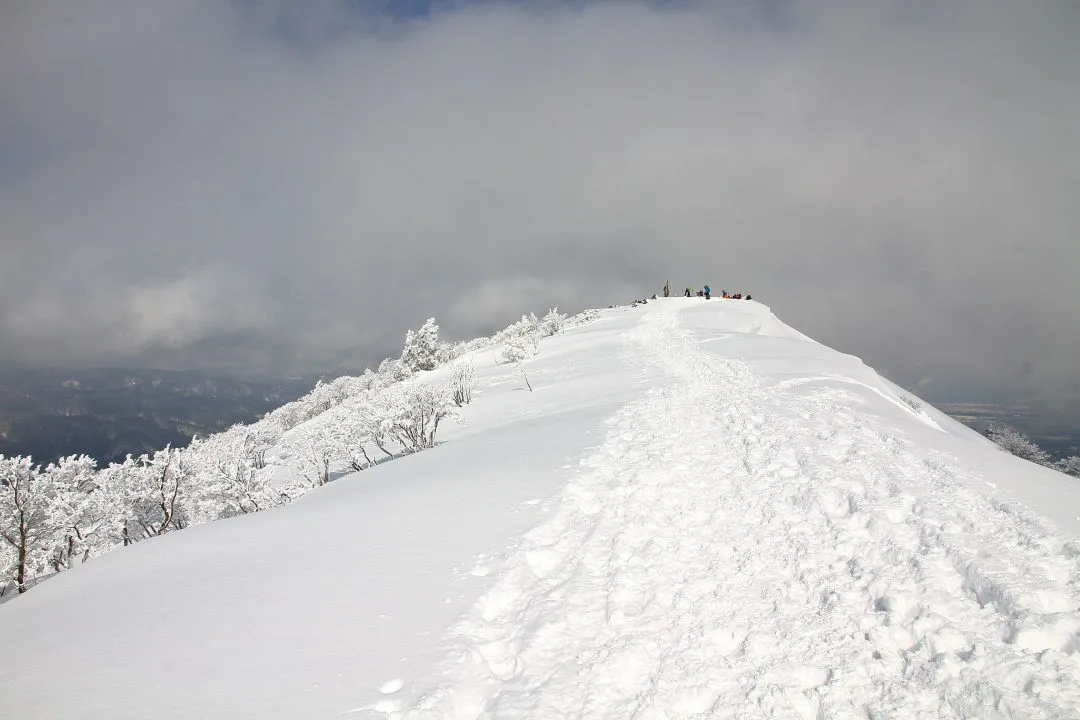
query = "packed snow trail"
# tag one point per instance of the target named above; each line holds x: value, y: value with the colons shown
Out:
x: 736, y: 550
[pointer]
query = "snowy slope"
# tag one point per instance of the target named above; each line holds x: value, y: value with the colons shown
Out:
x: 698, y: 512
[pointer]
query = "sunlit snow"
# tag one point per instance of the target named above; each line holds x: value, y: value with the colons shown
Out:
x: 697, y: 512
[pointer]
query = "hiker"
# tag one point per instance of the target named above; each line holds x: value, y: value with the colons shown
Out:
x: 708, y: 292
x: 666, y: 291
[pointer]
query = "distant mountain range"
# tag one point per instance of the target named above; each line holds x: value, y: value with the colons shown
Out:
x: 108, y: 413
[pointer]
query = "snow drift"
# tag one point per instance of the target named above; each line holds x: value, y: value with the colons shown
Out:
x: 696, y: 512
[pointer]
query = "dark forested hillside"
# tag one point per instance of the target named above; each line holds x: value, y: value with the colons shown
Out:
x: 110, y: 412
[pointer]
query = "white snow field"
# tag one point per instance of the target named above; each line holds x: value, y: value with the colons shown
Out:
x: 697, y: 513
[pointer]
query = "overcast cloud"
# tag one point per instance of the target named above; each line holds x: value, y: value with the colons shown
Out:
x: 273, y: 186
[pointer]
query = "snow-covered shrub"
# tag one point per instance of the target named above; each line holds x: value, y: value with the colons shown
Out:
x: 422, y: 347
x: 445, y: 353
x: 360, y: 426
x: 350, y: 435
x: 461, y: 348
x: 553, y: 322
x: 228, y: 465
x: 345, y: 435
x: 399, y: 418
x: 311, y: 450
x: 1069, y: 466
x: 521, y: 339
x: 264, y: 434
x: 416, y: 412
x: 528, y: 324
x: 1013, y: 441
x: 521, y: 347
x: 110, y: 499
x: 326, y: 395
x: 376, y: 421
x: 323, y: 397
x: 462, y: 382
x: 157, y: 495
x: 76, y: 514
x: 25, y: 536
x: 365, y: 382
x: 288, y: 415
x: 394, y: 370
x: 45, y: 518
x: 581, y: 318
x: 911, y: 401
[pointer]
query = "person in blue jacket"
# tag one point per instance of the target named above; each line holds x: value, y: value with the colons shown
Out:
x: 708, y: 292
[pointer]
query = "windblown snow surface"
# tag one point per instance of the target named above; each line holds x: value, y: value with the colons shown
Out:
x: 697, y: 513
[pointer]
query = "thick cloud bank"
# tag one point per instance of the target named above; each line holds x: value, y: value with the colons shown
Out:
x: 197, y: 182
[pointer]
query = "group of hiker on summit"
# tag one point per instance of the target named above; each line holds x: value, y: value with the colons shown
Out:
x: 705, y: 292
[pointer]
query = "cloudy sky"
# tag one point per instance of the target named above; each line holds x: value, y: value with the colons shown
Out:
x: 276, y: 186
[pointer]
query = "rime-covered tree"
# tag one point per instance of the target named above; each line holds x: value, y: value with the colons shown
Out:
x: 350, y: 439
x: 359, y: 428
x: 76, y: 514
x: 421, y: 349
x: 528, y: 324
x: 521, y: 347
x: 553, y: 322
x: 44, y: 522
x: 394, y: 370
x: 157, y: 495
x: 417, y: 411
x: 25, y: 536
x: 310, y: 450
x: 375, y: 419
x: 230, y: 477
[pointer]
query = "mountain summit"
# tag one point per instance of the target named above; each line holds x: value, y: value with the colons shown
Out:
x: 681, y: 509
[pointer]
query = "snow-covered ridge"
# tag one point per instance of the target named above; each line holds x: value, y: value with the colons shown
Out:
x: 696, y: 512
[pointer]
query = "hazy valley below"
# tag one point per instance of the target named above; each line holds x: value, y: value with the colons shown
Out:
x: 108, y: 413
x: 1055, y: 436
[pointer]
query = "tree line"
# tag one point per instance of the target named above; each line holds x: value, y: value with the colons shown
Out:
x: 56, y: 516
